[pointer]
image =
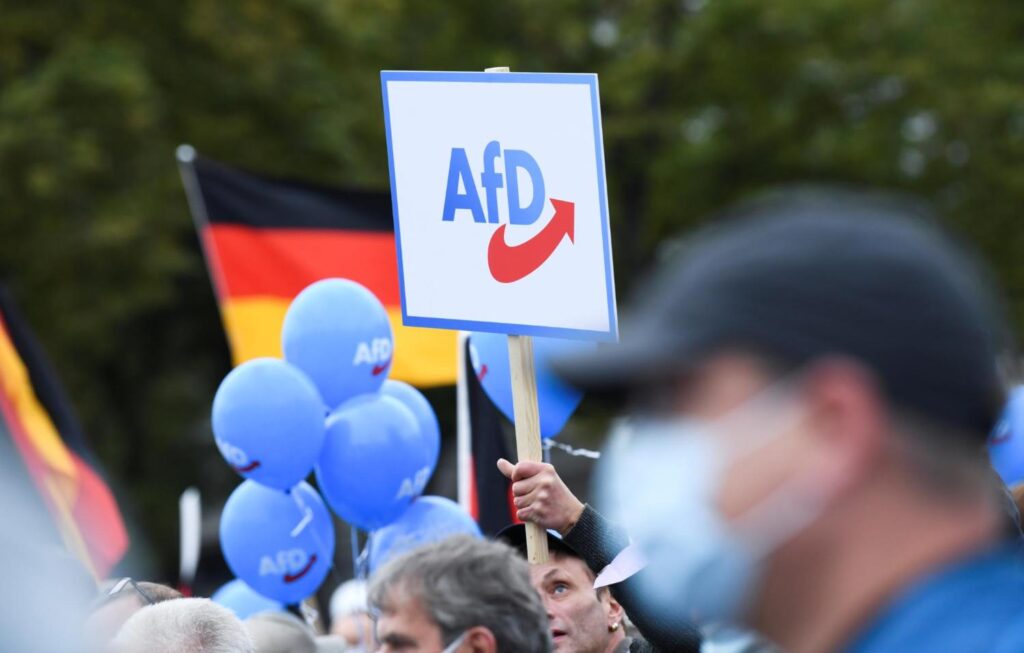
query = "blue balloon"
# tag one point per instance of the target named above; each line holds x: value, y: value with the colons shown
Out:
x: 338, y: 333
x: 556, y: 400
x: 428, y: 519
x: 280, y: 543
x: 268, y: 422
x: 374, y: 462
x: 422, y: 410
x: 1006, y: 444
x: 243, y: 600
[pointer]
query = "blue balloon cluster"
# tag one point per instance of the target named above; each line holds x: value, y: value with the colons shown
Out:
x: 428, y: 519
x: 243, y: 600
x: 556, y: 400
x: 280, y: 543
x: 374, y: 443
x: 1006, y: 444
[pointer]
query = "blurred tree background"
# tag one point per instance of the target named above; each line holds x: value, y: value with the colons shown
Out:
x: 703, y: 102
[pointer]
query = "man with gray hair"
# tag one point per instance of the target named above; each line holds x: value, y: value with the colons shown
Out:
x: 459, y: 595
x: 183, y: 626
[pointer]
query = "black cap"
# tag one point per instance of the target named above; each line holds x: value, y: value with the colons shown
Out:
x: 808, y: 272
x: 515, y: 536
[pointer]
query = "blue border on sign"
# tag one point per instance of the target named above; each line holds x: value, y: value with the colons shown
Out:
x: 589, y: 79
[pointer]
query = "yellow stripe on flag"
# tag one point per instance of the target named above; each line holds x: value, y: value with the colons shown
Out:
x: 16, y: 384
x: 423, y: 357
x: 60, y: 484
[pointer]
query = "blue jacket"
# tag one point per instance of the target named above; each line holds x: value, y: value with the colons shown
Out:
x: 975, y: 605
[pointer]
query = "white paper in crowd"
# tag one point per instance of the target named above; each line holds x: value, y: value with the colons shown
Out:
x: 629, y: 561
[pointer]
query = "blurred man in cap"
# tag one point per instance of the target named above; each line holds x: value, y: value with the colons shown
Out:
x: 459, y: 595
x: 813, y: 382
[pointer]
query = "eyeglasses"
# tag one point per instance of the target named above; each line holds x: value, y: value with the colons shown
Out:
x: 121, y: 584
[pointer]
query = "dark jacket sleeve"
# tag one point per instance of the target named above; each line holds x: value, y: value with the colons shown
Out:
x: 598, y: 541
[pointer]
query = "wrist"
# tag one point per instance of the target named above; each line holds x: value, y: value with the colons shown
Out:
x: 574, y: 517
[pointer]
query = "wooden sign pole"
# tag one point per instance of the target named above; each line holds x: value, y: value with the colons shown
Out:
x: 524, y: 401
x: 528, y: 447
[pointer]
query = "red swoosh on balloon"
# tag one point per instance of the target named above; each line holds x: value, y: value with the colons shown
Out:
x: 510, y: 263
x: 291, y: 578
x: 483, y: 372
x: 379, y: 369
x: 248, y: 468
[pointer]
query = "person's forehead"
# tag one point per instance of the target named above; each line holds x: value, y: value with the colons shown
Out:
x: 404, y: 613
x: 711, y: 385
x: 561, y: 563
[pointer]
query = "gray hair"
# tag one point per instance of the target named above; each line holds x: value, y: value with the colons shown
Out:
x: 463, y: 582
x: 183, y: 626
x: 280, y: 632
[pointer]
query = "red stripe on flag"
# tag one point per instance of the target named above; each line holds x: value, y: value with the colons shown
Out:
x: 474, y: 500
x: 99, y: 519
x: 281, y: 262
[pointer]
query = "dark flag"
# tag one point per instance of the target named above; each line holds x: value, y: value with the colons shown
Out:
x: 488, y: 493
x: 38, y: 423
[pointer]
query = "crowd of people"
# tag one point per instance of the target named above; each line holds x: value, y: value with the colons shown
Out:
x: 807, y: 393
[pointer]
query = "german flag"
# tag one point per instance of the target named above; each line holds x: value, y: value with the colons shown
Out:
x: 267, y: 239
x: 38, y: 424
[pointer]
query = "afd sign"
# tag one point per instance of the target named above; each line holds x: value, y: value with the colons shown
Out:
x: 498, y: 188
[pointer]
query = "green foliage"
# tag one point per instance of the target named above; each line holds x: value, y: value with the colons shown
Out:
x: 703, y: 101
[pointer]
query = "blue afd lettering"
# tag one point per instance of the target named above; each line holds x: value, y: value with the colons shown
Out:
x: 459, y: 172
x: 491, y: 180
x: 518, y: 214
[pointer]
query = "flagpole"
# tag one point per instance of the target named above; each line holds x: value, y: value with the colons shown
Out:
x: 463, y: 439
x: 186, y: 156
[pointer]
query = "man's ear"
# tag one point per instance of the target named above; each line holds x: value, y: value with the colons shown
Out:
x: 479, y: 639
x: 850, y: 421
x: 612, y: 610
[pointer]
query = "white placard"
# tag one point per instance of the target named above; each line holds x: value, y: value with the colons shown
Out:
x: 498, y: 189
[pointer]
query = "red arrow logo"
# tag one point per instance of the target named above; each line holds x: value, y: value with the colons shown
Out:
x: 291, y: 578
x: 512, y: 263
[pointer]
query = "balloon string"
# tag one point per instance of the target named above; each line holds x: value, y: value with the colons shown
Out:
x: 359, y: 569
x: 572, y: 451
x: 307, y: 518
x: 359, y: 557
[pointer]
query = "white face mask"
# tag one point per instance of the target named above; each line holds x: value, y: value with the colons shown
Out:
x: 660, y: 480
